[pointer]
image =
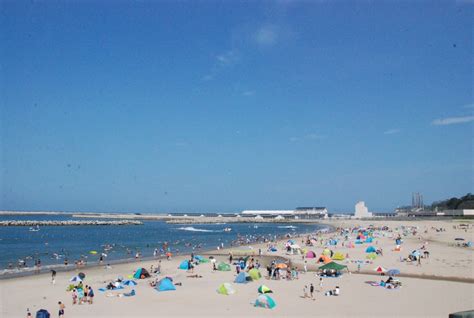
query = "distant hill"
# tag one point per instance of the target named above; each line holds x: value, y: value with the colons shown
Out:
x: 465, y: 202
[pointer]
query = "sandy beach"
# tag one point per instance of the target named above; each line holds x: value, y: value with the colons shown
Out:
x: 430, y: 291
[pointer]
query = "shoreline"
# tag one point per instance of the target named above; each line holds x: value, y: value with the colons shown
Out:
x: 7, y: 274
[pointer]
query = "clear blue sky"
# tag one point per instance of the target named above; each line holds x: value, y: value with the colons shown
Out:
x: 224, y: 106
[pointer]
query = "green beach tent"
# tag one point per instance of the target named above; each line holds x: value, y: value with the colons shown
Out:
x: 333, y: 266
x: 226, y: 289
x: 255, y: 274
x: 264, y: 289
x: 371, y: 256
x: 223, y: 267
x: 265, y: 301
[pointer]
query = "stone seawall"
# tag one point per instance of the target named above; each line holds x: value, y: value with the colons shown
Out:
x: 68, y: 223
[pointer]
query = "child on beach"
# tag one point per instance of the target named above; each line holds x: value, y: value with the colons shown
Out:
x: 74, y: 296
x: 61, y: 309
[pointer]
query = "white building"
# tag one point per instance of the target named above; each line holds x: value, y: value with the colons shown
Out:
x: 300, y: 213
x: 361, y: 211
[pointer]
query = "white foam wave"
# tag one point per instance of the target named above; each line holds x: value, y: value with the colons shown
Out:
x: 287, y: 227
x: 193, y: 229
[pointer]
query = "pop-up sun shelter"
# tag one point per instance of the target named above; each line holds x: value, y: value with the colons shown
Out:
x: 338, y: 256
x: 165, y: 284
x: 264, y: 289
x: 310, y: 254
x: 223, y: 267
x: 255, y: 274
x: 184, y: 265
x: 242, y: 278
x: 370, y: 249
x: 141, y: 273
x: 324, y: 259
x: 265, y: 301
x: 226, y: 289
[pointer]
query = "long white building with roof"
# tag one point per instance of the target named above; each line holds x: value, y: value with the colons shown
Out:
x: 299, y: 213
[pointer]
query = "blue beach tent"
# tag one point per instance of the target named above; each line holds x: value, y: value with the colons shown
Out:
x: 370, y: 249
x: 165, y: 284
x: 184, y: 265
x: 241, y: 278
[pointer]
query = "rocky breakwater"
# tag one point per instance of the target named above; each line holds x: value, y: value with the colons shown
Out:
x: 69, y: 223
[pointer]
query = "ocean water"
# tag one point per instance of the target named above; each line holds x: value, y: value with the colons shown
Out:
x: 52, y: 244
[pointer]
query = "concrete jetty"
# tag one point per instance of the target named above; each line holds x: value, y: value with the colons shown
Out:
x: 68, y: 223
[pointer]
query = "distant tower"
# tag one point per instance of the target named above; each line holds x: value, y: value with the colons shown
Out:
x: 417, y: 200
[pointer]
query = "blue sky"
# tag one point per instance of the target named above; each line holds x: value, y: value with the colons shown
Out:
x: 224, y: 106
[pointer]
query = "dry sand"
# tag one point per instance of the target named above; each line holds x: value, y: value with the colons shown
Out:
x: 198, y: 296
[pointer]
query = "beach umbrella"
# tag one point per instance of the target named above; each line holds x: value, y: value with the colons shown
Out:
x: 130, y: 283
x: 380, y: 269
x: 393, y: 272
x: 75, y: 279
x: 81, y: 275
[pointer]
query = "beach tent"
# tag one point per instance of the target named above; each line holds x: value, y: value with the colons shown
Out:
x: 380, y: 269
x: 370, y: 249
x: 338, y: 256
x: 326, y: 252
x: 242, y: 278
x: 264, y: 289
x: 75, y: 279
x: 223, y: 267
x: 184, y: 265
x: 333, y: 266
x: 255, y: 274
x: 332, y: 242
x: 281, y: 265
x: 130, y: 283
x: 324, y: 259
x: 273, y: 249
x: 198, y: 258
x: 462, y: 314
x: 141, y: 273
x: 42, y: 313
x: 371, y: 256
x: 265, y: 301
x: 358, y: 241
x: 81, y: 275
x: 393, y: 272
x: 310, y: 254
x: 369, y: 240
x: 165, y: 284
x: 226, y: 289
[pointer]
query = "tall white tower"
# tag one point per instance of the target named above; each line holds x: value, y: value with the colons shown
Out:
x: 361, y: 211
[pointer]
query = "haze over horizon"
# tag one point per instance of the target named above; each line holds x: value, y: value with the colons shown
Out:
x: 225, y: 106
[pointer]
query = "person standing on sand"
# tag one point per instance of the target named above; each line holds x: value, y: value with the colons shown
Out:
x: 320, y: 283
x: 91, y: 295
x: 305, y: 291
x: 61, y: 309
x: 305, y: 267
x: 230, y: 258
x: 74, y: 296
x: 53, y: 277
x: 311, y: 290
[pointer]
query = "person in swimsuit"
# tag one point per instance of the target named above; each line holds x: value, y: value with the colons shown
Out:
x: 61, y: 309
